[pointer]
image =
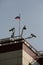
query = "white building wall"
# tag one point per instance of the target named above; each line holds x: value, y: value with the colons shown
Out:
x: 26, y: 59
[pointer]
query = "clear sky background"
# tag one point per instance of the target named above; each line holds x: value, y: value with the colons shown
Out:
x: 31, y: 15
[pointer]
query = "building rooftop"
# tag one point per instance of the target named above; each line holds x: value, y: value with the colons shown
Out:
x: 10, y: 41
x: 12, y: 44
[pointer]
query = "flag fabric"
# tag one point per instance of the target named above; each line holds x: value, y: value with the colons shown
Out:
x: 17, y: 17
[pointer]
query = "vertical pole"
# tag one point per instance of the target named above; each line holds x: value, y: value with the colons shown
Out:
x: 19, y: 24
x: 19, y: 19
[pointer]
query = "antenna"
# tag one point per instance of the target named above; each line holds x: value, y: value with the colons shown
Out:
x: 33, y: 35
x: 24, y: 28
x: 13, y: 31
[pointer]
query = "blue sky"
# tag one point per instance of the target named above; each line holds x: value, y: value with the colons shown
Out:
x: 31, y: 15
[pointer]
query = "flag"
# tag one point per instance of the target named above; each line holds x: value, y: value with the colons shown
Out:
x: 17, y: 17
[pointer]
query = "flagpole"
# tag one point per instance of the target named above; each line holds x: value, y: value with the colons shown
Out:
x: 19, y: 19
x: 19, y: 23
x: 19, y: 27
